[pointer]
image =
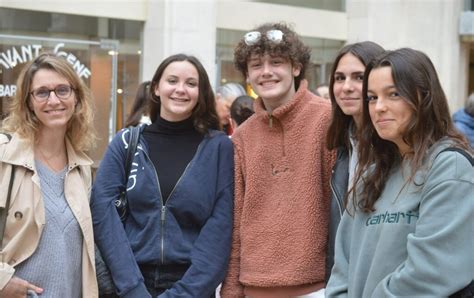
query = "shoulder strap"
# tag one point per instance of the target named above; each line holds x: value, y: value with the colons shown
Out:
x: 132, y: 147
x: 121, y: 202
x: 4, y: 211
x: 461, y: 151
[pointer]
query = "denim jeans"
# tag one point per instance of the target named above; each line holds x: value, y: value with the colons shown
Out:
x: 160, y: 278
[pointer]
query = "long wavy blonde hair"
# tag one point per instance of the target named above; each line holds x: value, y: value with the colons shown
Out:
x: 22, y: 120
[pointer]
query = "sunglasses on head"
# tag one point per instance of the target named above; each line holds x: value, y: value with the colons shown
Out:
x: 251, y: 38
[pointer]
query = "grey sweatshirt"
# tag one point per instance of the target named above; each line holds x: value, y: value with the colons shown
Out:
x: 419, y: 240
x: 56, y: 265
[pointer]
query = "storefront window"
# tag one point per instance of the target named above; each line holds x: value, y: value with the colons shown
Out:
x: 91, y: 61
x: 104, y: 52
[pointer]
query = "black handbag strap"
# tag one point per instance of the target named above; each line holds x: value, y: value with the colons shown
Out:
x: 121, y: 202
x: 461, y: 151
x: 468, y: 291
x: 4, y: 211
x: 132, y: 147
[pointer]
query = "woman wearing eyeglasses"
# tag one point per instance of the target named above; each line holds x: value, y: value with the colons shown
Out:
x: 48, y: 245
x: 282, y: 172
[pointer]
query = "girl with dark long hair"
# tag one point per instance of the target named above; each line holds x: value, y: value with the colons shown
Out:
x: 407, y: 231
x: 175, y: 240
x: 345, y: 91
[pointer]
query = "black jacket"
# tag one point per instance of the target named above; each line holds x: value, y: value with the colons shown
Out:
x: 339, y: 184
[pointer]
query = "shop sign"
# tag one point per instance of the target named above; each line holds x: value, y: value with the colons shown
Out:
x: 14, y: 56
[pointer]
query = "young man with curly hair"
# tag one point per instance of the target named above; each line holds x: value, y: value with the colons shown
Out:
x: 282, y: 172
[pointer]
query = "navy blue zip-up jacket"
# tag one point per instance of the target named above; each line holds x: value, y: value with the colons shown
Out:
x: 194, y: 226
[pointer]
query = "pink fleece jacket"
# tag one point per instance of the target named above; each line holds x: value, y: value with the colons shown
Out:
x: 282, y: 195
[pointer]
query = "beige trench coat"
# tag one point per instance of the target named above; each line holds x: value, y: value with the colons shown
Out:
x: 26, y: 216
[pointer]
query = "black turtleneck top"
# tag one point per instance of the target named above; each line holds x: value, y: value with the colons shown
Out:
x: 171, y: 146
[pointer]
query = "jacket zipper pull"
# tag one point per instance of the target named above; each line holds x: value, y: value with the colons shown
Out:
x: 270, y: 120
x: 163, y: 216
x: 163, y: 211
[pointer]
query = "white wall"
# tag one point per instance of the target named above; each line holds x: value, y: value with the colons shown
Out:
x: 119, y: 9
x: 430, y: 26
x: 173, y: 26
x: 189, y: 26
x: 179, y: 27
x: 245, y: 15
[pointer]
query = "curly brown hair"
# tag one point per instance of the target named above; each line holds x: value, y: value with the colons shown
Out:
x: 291, y: 48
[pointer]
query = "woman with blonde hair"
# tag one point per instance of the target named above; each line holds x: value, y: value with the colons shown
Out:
x: 48, y: 246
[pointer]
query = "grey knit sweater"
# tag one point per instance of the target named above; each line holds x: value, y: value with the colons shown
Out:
x: 56, y: 265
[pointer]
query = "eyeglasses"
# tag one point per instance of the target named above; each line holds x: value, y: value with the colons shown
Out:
x: 62, y: 92
x: 251, y: 38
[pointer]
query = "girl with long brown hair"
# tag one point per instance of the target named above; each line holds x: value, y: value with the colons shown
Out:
x: 345, y: 91
x: 407, y: 231
x: 175, y: 240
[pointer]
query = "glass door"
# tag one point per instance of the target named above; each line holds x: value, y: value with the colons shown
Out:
x: 94, y: 61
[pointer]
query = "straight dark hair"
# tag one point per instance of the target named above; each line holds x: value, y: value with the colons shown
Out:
x: 338, y: 131
x: 417, y: 82
x: 204, y: 114
x: 242, y: 108
x: 140, y: 105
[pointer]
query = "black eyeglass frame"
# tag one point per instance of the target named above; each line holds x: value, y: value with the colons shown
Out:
x: 61, y: 97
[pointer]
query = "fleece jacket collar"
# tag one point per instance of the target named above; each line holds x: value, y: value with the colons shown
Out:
x: 284, y: 110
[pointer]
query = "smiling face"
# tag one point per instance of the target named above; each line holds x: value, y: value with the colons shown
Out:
x: 53, y: 113
x: 272, y: 78
x: 178, y: 90
x: 389, y: 112
x: 347, y: 87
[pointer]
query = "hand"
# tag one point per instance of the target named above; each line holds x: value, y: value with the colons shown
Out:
x: 18, y: 288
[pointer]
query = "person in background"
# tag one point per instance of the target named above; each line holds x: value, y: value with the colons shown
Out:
x: 240, y: 110
x: 175, y: 240
x: 48, y: 245
x: 464, y: 119
x: 139, y: 113
x: 225, y: 96
x: 406, y: 230
x: 346, y: 99
x: 322, y: 90
x: 282, y: 173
